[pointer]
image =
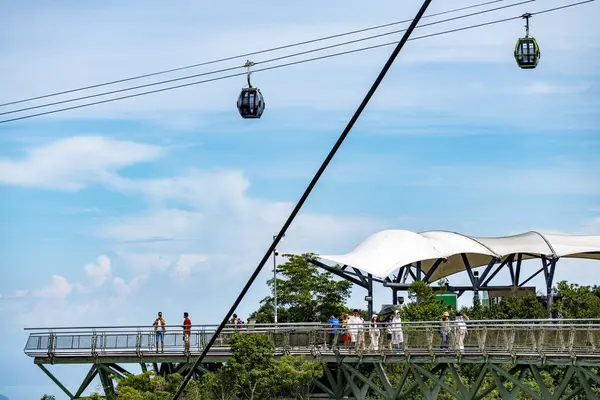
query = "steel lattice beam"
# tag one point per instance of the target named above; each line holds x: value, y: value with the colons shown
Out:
x: 364, y: 380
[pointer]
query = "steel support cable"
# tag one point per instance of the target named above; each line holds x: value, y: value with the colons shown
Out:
x: 246, y: 54
x: 289, y: 64
x: 183, y: 78
x: 306, y: 193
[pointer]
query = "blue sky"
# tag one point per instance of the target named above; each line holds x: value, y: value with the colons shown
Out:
x: 168, y: 201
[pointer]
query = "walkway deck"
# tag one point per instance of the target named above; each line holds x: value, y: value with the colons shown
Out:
x: 559, y: 342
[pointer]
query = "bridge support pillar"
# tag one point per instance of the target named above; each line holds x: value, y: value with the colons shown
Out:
x: 549, y: 268
x: 370, y: 295
x: 107, y: 382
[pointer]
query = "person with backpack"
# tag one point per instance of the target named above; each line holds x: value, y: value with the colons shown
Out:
x: 445, y: 331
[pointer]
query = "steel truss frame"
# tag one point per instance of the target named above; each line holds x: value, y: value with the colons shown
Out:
x: 413, y: 273
x: 370, y: 380
x: 110, y: 373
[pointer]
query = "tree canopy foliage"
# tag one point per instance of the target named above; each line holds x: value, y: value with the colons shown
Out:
x: 304, y: 293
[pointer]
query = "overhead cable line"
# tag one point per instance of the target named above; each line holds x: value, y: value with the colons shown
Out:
x: 247, y: 54
x: 290, y: 63
x: 260, y: 62
x: 307, y: 192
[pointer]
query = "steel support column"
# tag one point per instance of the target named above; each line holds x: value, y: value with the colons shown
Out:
x: 107, y: 383
x: 549, y: 281
x: 370, y: 295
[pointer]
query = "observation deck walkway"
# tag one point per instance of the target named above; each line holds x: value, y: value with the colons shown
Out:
x: 524, y: 344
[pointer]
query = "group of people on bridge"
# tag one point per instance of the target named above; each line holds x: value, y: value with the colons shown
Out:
x: 352, y: 331
x: 349, y: 332
x: 160, y: 328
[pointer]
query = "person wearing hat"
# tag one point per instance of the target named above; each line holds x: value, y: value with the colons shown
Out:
x: 374, y: 333
x: 397, y: 334
x: 445, y: 330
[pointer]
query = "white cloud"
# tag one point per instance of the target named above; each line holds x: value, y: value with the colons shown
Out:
x: 186, y: 264
x: 153, y: 225
x: 146, y: 262
x: 59, y: 288
x: 545, y: 88
x: 124, y: 289
x: 72, y: 163
x: 99, y: 270
x: 18, y: 294
x: 218, y: 217
x: 593, y: 226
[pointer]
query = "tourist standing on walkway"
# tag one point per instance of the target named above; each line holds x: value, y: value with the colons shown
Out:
x: 445, y: 330
x: 187, y: 331
x: 356, y: 328
x: 159, y: 331
x: 461, y: 327
x: 237, y: 323
x: 374, y: 333
x: 334, y: 327
x: 397, y: 334
x: 346, y: 336
x: 388, y: 330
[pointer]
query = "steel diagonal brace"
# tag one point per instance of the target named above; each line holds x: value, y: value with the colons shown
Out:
x: 55, y: 380
x: 497, y: 372
x: 475, y: 388
x: 86, y: 381
x: 439, y: 383
x: 362, y: 377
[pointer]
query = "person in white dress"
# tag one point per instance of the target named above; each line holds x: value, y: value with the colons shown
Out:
x: 374, y: 333
x: 355, y: 329
x: 461, y: 327
x: 396, y: 330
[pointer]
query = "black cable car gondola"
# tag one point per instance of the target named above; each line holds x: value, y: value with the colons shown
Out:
x: 250, y: 103
x: 527, y: 51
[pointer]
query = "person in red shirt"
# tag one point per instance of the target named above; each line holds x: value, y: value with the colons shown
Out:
x: 187, y: 330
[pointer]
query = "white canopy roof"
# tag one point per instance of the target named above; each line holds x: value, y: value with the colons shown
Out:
x: 383, y: 252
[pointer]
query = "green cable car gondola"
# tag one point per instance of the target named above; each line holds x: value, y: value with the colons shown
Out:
x: 250, y: 103
x: 527, y: 51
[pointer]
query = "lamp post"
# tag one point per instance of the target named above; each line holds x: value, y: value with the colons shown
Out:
x: 275, y: 253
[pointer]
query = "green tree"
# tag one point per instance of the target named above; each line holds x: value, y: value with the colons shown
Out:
x: 527, y: 306
x: 425, y: 306
x: 251, y: 367
x: 149, y: 386
x: 574, y: 301
x: 304, y: 293
x: 295, y: 376
x: 216, y: 385
x: 145, y: 386
x: 93, y: 396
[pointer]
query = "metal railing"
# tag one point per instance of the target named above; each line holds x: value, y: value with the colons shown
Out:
x: 522, y: 338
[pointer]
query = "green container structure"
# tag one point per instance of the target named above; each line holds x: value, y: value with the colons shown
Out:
x: 449, y: 298
x: 485, y: 299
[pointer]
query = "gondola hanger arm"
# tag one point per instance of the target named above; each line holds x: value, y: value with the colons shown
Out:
x: 526, y: 16
x: 248, y: 65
